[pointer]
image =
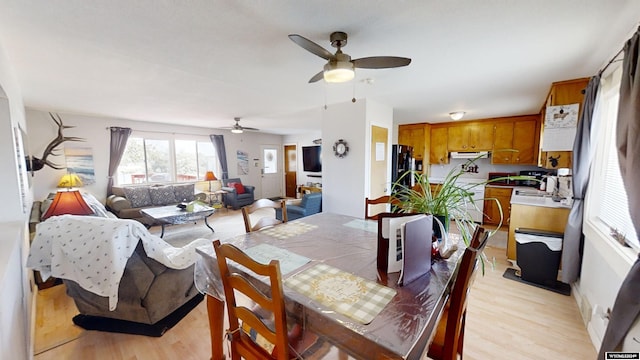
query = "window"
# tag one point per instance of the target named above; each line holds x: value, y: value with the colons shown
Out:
x: 607, y: 196
x: 149, y: 159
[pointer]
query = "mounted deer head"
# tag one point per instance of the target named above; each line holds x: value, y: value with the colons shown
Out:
x: 36, y: 164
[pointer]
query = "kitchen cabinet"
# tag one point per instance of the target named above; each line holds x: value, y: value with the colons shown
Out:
x: 476, y: 136
x: 414, y: 136
x: 520, y: 135
x: 534, y: 217
x: 491, y: 210
x: 439, y: 152
x: 562, y: 93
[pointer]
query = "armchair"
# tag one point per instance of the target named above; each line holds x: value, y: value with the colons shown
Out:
x: 311, y: 204
x: 234, y: 198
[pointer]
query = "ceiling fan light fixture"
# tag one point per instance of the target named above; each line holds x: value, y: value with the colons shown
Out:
x: 338, y: 72
x: 236, y: 131
x: 456, y: 115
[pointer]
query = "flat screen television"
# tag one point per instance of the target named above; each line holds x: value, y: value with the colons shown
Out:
x: 312, y: 158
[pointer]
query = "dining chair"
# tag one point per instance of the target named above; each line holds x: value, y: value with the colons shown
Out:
x: 449, y: 338
x: 250, y: 328
x: 265, y: 221
x: 385, y: 199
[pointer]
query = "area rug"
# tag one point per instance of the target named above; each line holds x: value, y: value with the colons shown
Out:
x: 89, y: 322
x: 558, y: 287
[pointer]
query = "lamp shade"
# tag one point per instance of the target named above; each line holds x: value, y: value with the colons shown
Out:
x: 68, y: 202
x: 210, y: 176
x: 340, y: 71
x: 69, y: 181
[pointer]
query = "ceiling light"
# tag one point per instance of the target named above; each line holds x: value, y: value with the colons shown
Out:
x: 339, y: 71
x: 236, y: 131
x: 456, y: 115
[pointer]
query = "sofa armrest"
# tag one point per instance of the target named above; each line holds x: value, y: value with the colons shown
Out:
x: 249, y: 188
x: 117, y: 203
x: 229, y: 189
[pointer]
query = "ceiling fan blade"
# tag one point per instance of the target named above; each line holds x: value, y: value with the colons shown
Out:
x: 311, y: 47
x: 317, y: 77
x: 381, y: 62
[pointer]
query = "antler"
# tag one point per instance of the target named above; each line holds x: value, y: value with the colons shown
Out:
x: 52, y: 147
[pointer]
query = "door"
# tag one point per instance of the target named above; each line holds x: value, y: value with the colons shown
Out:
x: 379, y: 183
x: 290, y: 170
x: 271, y: 175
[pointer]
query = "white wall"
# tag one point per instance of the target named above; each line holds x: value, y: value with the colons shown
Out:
x: 16, y: 299
x: 94, y: 130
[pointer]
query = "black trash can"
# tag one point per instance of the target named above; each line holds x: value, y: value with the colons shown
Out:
x: 538, y: 255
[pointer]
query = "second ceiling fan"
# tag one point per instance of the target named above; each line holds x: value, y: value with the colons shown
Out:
x: 339, y: 66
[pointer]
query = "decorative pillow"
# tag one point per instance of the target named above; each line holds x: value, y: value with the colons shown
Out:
x: 138, y: 196
x: 238, y: 186
x: 184, y: 192
x: 162, y: 195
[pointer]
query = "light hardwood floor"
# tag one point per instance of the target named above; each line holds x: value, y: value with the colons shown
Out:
x: 505, y: 320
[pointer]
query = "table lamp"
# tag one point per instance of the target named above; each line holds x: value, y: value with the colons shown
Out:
x: 209, y: 176
x: 69, y: 201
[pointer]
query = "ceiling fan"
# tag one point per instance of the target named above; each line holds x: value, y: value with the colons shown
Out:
x: 239, y: 129
x: 339, y: 66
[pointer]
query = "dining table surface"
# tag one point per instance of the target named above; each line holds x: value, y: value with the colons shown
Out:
x: 400, y: 329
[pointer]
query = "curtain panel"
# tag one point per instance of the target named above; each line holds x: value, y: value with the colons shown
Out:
x: 627, y: 304
x: 119, y: 137
x: 218, y: 143
x: 582, y: 157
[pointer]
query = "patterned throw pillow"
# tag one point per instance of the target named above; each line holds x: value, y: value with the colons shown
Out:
x: 138, y: 196
x: 184, y: 192
x: 162, y: 195
x: 238, y: 186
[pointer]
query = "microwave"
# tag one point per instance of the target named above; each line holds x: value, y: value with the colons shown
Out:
x: 534, y: 178
x: 504, y: 179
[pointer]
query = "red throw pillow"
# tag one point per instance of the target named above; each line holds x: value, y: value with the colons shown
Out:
x: 239, y: 187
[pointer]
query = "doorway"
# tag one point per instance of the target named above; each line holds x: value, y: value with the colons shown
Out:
x: 378, y: 181
x: 270, y: 173
x: 290, y: 170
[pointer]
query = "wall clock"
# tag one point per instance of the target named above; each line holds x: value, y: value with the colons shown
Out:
x: 340, y: 148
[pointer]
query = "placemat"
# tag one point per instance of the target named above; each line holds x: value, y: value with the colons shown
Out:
x: 350, y: 295
x: 289, y: 261
x: 289, y: 229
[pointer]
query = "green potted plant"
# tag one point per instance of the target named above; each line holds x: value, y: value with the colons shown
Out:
x: 447, y: 201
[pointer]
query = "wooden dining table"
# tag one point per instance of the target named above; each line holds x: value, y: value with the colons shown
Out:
x: 403, y: 329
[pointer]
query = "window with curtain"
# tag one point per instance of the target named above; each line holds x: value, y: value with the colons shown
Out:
x: 149, y: 159
x: 607, y: 196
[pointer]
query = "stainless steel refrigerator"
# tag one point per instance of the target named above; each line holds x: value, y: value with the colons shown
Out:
x: 402, y: 162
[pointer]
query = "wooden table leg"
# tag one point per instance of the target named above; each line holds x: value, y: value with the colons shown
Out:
x: 215, y: 310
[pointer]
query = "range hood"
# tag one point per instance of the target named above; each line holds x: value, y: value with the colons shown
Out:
x: 469, y: 154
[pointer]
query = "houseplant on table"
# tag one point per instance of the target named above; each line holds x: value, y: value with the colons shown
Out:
x: 447, y: 201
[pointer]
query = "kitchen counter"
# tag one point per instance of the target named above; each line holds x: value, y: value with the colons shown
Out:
x: 533, y: 197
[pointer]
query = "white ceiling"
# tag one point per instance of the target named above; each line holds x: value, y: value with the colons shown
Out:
x: 204, y: 62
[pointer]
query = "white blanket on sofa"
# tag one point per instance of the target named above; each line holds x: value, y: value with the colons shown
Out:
x: 93, y: 251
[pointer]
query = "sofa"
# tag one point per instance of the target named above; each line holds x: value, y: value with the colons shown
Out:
x: 127, y: 201
x: 237, y: 194
x: 310, y: 204
x: 152, y: 293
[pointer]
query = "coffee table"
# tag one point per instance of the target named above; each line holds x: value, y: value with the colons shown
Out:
x: 173, y: 215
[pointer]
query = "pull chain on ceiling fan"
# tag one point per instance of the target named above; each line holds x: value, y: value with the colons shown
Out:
x: 339, y: 66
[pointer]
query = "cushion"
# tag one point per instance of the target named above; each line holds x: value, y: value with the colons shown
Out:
x: 138, y: 195
x: 238, y: 186
x: 184, y: 192
x: 162, y: 195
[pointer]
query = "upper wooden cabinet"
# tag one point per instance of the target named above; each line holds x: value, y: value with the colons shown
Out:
x: 439, y: 152
x: 515, y: 141
x: 414, y: 136
x: 476, y: 136
x: 562, y: 93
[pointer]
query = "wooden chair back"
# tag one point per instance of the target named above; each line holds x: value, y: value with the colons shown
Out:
x: 242, y: 346
x: 386, y: 199
x: 449, y: 337
x: 265, y: 221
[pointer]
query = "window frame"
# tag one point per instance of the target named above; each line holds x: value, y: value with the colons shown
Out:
x: 171, y: 138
